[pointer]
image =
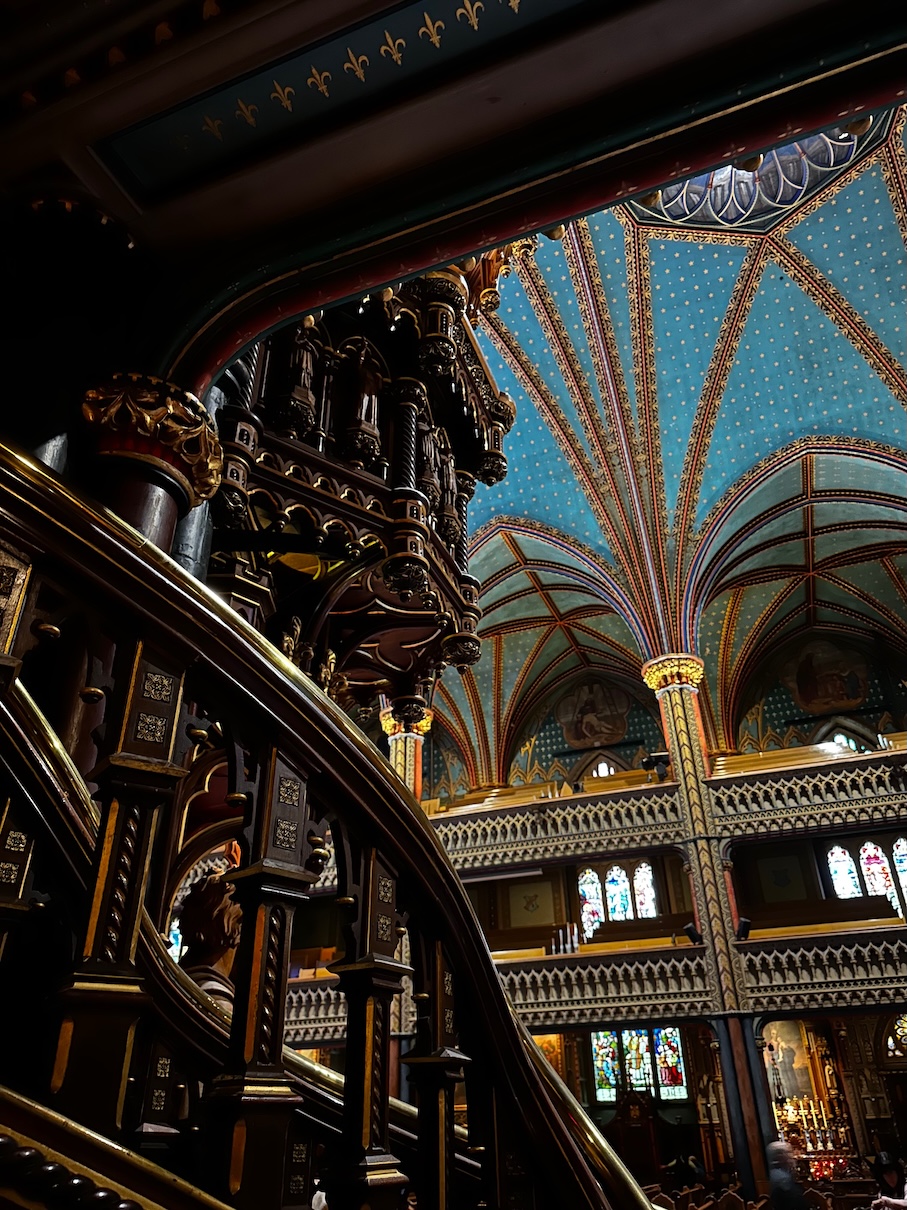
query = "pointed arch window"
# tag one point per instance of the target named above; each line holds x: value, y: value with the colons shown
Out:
x: 644, y: 891
x: 896, y: 1045
x: 592, y: 908
x: 877, y: 873
x: 637, y: 1059
x: 899, y: 856
x: 617, y: 894
x: 605, y: 1064
x: 672, y: 1079
x: 843, y: 871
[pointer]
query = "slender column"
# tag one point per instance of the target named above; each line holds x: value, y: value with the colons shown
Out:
x: 675, y: 679
x: 157, y: 452
x: 406, y: 740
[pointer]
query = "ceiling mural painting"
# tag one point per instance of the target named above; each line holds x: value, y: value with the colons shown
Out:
x: 709, y: 452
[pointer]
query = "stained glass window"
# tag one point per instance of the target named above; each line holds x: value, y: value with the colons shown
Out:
x: 617, y: 893
x: 637, y: 1059
x: 897, y: 1039
x: 592, y: 909
x: 644, y: 891
x: 877, y: 873
x: 899, y: 852
x: 844, y: 877
x: 672, y: 1082
x: 605, y: 1064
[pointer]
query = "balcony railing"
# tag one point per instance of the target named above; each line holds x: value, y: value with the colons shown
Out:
x: 864, y: 790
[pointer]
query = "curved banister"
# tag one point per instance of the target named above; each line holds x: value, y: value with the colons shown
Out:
x: 125, y: 569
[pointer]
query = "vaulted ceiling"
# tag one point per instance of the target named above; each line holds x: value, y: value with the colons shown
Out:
x: 709, y: 452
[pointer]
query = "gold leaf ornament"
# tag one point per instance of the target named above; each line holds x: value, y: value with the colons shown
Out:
x: 393, y: 48
x: 246, y: 112
x: 283, y: 96
x: 356, y: 64
x: 320, y: 80
x: 471, y: 10
x: 431, y: 30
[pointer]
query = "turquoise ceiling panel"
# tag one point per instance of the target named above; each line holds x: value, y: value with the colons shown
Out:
x: 557, y: 644
x: 691, y: 288
x: 540, y: 484
x: 566, y: 599
x: 454, y: 685
x: 854, y: 240
x: 846, y: 472
x: 843, y: 511
x: 514, y: 613
x: 783, y: 484
x: 781, y: 557
x: 552, y: 262
x: 490, y: 557
x: 564, y: 667
x: 755, y: 609
x: 795, y: 376
x: 517, y: 650
x: 608, y: 240
x: 514, y: 583
x: 872, y: 578
x: 521, y: 319
x: 855, y: 539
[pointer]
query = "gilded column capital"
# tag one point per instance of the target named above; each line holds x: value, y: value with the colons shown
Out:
x: 677, y: 668
x: 391, y: 725
x: 143, y: 417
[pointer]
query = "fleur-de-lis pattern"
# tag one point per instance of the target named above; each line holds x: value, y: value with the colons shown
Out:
x: 356, y: 64
x: 255, y: 109
x: 393, y: 48
x: 470, y: 10
x: 246, y: 113
x: 319, y: 79
x: 431, y: 30
x: 283, y: 96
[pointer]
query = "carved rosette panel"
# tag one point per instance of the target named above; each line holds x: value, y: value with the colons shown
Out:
x: 142, y: 417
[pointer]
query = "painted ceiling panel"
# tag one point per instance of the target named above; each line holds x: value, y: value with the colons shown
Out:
x: 521, y: 319
x: 855, y: 539
x: 569, y: 664
x: 796, y: 375
x: 513, y: 615
x: 611, y: 625
x: 786, y: 483
x: 854, y: 240
x: 758, y: 604
x: 691, y: 289
x: 516, y: 651
x: 608, y: 240
x: 455, y: 686
x: 872, y: 578
x: 557, y: 644
x: 845, y: 472
x: 784, y: 554
x: 540, y: 484
x: 515, y: 582
x: 567, y: 599
x: 552, y: 261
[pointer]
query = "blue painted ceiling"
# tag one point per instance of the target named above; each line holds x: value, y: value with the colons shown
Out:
x: 709, y: 452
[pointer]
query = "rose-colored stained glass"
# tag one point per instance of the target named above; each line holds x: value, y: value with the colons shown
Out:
x: 592, y: 908
x: 877, y: 873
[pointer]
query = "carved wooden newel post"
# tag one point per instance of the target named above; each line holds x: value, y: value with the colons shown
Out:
x: 103, y: 1004
x: 251, y: 1103
x: 363, y: 1171
x: 436, y: 1065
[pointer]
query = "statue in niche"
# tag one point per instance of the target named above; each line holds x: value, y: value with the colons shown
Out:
x: 448, y: 521
x: 428, y: 463
x: 363, y: 434
x: 298, y: 412
x: 210, y: 924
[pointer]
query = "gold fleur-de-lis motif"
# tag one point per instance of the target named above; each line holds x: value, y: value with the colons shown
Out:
x: 246, y: 112
x: 431, y: 30
x: 393, y: 48
x: 514, y: 4
x: 471, y: 10
x: 356, y: 64
x: 319, y: 79
x: 283, y: 96
x: 212, y: 126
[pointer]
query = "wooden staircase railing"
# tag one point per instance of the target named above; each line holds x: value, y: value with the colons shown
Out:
x: 146, y: 678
